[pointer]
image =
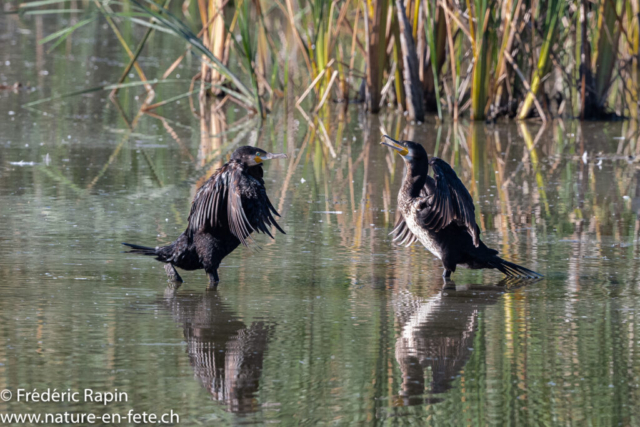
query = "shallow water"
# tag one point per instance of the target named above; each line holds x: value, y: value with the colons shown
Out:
x: 331, y: 323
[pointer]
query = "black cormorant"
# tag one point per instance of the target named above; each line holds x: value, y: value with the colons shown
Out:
x: 439, y: 213
x: 226, y: 354
x: 226, y: 210
x: 436, y: 335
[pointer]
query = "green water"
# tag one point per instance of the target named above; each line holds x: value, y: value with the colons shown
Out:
x: 331, y: 323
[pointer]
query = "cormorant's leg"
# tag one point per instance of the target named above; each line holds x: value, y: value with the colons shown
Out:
x: 446, y: 277
x: 172, y: 273
x: 213, y: 279
x: 171, y: 289
x: 448, y: 284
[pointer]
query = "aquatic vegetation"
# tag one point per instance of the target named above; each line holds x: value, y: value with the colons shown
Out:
x: 484, y: 58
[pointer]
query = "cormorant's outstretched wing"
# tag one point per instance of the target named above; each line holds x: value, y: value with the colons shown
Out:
x: 402, y: 234
x: 234, y: 200
x: 249, y: 208
x: 449, y: 202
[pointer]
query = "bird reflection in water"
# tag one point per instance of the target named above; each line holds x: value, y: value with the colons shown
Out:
x: 436, y: 334
x: 225, y: 353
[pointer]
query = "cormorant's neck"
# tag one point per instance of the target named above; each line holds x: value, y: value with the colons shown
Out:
x: 257, y: 172
x: 415, y: 177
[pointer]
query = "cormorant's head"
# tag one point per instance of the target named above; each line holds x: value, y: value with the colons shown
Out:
x: 252, y: 156
x: 410, y: 151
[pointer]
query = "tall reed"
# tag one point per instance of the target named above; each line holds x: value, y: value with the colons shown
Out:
x: 483, y: 58
x: 375, y: 18
x: 554, y: 10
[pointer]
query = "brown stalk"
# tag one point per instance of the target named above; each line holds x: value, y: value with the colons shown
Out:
x: 376, y: 45
x: 412, y: 86
x: 585, y: 60
x: 322, y: 128
x: 526, y: 86
x: 177, y: 62
x: 137, y: 53
x: 124, y: 44
x: 191, y: 86
x: 453, y: 64
x: 116, y: 151
x: 313, y: 83
x: 341, y: 15
x: 293, y: 166
x: 501, y: 69
x: 298, y: 37
x: 327, y: 91
x: 443, y: 4
x: 353, y: 33
x: 172, y: 133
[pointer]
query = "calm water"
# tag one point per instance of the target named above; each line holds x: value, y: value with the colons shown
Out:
x: 331, y: 323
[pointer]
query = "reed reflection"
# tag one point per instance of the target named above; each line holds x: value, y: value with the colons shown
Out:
x: 436, y: 334
x: 212, y: 126
x: 226, y: 354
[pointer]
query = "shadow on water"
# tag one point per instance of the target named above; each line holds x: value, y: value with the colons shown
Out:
x: 436, y: 334
x: 225, y: 353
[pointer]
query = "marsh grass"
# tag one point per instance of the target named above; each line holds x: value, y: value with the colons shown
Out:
x: 483, y: 58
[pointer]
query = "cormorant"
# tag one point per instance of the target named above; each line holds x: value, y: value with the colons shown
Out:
x: 439, y: 212
x: 226, y: 354
x: 228, y: 207
x: 436, y: 334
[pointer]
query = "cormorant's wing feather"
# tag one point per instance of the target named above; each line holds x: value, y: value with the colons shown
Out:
x: 233, y: 199
x: 450, y: 202
x: 238, y: 222
x: 205, y: 208
x: 402, y: 235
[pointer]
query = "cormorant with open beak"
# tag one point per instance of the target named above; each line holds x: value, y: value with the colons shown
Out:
x: 226, y: 210
x: 439, y: 212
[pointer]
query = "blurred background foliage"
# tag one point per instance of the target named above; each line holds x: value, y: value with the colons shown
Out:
x: 483, y: 59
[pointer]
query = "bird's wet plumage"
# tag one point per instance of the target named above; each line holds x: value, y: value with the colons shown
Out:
x: 230, y: 205
x: 451, y: 202
x: 439, y: 212
x: 233, y: 198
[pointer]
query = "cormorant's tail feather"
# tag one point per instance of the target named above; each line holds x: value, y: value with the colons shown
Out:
x: 513, y: 270
x: 142, y: 250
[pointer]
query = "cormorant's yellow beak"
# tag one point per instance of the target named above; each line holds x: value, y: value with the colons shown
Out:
x: 268, y: 156
x: 403, y: 151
